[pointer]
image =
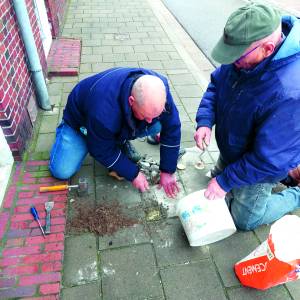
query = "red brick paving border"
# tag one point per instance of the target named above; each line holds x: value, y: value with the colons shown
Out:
x: 64, y: 57
x: 31, y: 265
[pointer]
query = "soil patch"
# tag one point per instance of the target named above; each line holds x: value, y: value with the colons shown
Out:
x: 102, y: 219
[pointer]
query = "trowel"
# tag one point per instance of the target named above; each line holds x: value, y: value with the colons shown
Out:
x: 48, y: 208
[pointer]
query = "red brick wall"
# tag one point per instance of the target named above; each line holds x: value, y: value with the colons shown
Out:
x: 56, y: 10
x: 15, y: 80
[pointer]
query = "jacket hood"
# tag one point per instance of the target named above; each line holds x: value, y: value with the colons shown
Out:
x: 291, y: 43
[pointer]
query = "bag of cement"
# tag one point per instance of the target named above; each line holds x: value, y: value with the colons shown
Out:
x: 276, y: 260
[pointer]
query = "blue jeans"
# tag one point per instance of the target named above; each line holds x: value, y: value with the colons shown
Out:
x: 254, y: 205
x: 70, y: 149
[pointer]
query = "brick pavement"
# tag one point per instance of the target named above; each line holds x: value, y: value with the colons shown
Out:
x: 151, y: 260
x: 31, y: 265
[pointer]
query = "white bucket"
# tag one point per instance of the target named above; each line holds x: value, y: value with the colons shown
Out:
x: 204, y: 221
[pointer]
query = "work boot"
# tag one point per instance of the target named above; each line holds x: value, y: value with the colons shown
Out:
x: 153, y: 139
x: 129, y: 150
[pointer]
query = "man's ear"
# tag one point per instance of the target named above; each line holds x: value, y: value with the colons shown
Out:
x: 269, y: 48
x: 131, y: 100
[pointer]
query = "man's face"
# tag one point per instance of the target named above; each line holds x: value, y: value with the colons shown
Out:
x: 250, y: 58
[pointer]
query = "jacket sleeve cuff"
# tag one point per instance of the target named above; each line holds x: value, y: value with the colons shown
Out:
x: 126, y: 168
x: 168, y: 159
x: 204, y: 122
x: 223, y: 182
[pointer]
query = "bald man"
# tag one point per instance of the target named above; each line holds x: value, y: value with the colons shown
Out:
x: 104, y: 112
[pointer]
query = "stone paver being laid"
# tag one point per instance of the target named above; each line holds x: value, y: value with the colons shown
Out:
x: 152, y: 259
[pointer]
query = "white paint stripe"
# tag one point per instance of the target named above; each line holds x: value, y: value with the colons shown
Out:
x: 170, y: 146
x: 115, y: 160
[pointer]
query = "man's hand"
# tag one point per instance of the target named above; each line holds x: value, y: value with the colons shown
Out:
x: 140, y: 182
x: 168, y: 182
x: 202, y: 134
x: 214, y: 191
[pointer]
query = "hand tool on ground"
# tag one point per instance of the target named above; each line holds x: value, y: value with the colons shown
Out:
x: 201, y: 164
x: 37, y: 218
x: 82, y: 187
x: 48, y: 207
x: 54, y: 188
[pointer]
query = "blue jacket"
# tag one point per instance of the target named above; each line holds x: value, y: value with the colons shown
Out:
x: 257, y: 115
x: 100, y: 104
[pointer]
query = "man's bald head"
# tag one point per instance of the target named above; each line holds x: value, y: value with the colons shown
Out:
x: 148, y: 97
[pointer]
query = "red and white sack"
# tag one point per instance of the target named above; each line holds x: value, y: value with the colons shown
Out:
x: 276, y: 260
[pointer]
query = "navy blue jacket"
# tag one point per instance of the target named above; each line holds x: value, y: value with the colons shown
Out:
x: 257, y: 115
x: 100, y: 104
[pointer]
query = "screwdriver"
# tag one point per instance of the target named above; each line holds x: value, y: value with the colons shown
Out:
x: 37, y: 218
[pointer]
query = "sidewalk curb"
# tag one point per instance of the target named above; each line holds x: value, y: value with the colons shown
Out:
x: 194, y: 58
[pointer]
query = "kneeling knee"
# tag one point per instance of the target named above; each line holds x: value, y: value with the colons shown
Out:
x: 244, y: 224
x: 60, y: 173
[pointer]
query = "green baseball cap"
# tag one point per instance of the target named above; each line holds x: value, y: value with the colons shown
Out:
x: 246, y: 25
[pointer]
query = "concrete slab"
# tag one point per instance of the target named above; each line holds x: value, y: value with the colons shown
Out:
x: 109, y: 189
x: 275, y: 293
x: 180, y: 284
x: 125, y: 237
x: 80, y: 260
x: 224, y: 257
x: 130, y: 273
x: 171, y: 245
x: 82, y: 292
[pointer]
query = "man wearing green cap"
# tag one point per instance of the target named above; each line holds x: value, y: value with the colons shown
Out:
x: 254, y: 101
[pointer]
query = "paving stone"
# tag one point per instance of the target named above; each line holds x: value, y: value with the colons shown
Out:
x: 80, y: 260
x: 111, y: 58
x: 275, y: 293
x: 86, y: 68
x: 122, y: 49
x: 191, y: 105
x: 193, y: 179
x: 135, y: 57
x: 174, y: 64
x: 44, y: 142
x: 243, y: 244
x: 184, y: 117
x: 294, y: 289
x: 192, y: 281
x: 125, y: 237
x: 187, y: 131
x: 83, y: 292
x: 262, y: 232
x: 158, y: 56
x: 102, y: 50
x: 151, y: 64
x: 181, y: 79
x: 54, y: 100
x: 171, y: 245
x: 49, y: 124
x: 54, y: 88
x: 100, y: 170
x: 130, y: 273
x: 100, y: 67
x: 174, y: 55
x: 188, y: 91
x: 144, y: 148
x: 143, y: 48
x: 109, y: 189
